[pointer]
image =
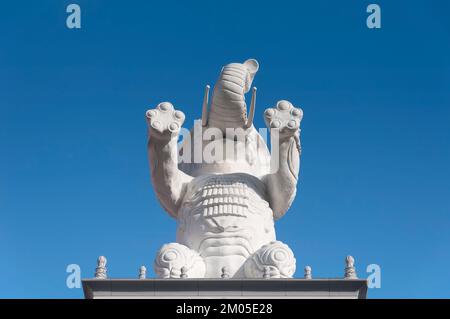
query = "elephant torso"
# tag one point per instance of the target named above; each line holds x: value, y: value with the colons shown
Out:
x: 225, y: 218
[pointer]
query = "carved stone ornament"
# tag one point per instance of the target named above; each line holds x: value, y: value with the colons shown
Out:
x: 225, y: 209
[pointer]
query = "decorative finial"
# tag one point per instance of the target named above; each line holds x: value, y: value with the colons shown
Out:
x: 308, y: 274
x: 266, y: 274
x: 184, y: 271
x: 100, y: 271
x: 225, y: 274
x: 142, y: 272
x: 350, y: 270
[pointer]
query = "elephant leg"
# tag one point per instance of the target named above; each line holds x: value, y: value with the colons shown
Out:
x: 171, y: 258
x: 274, y: 260
x: 284, y: 123
x: 164, y: 124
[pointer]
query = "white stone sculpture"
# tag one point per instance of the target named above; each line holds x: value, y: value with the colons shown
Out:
x: 226, y: 208
x: 308, y: 272
x: 350, y: 270
x: 142, y: 272
x: 100, y: 271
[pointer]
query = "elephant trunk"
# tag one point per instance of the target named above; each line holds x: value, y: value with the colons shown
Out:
x: 228, y: 107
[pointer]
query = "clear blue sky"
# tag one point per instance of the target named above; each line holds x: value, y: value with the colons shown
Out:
x: 375, y: 175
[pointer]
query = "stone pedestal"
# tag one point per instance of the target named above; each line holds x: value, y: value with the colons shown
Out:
x: 225, y: 288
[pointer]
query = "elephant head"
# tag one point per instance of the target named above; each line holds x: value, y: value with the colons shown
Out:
x: 228, y: 110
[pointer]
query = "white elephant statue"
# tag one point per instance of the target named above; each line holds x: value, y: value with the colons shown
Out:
x: 225, y: 209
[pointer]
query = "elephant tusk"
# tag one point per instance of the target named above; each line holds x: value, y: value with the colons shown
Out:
x: 205, y: 106
x: 251, y: 114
